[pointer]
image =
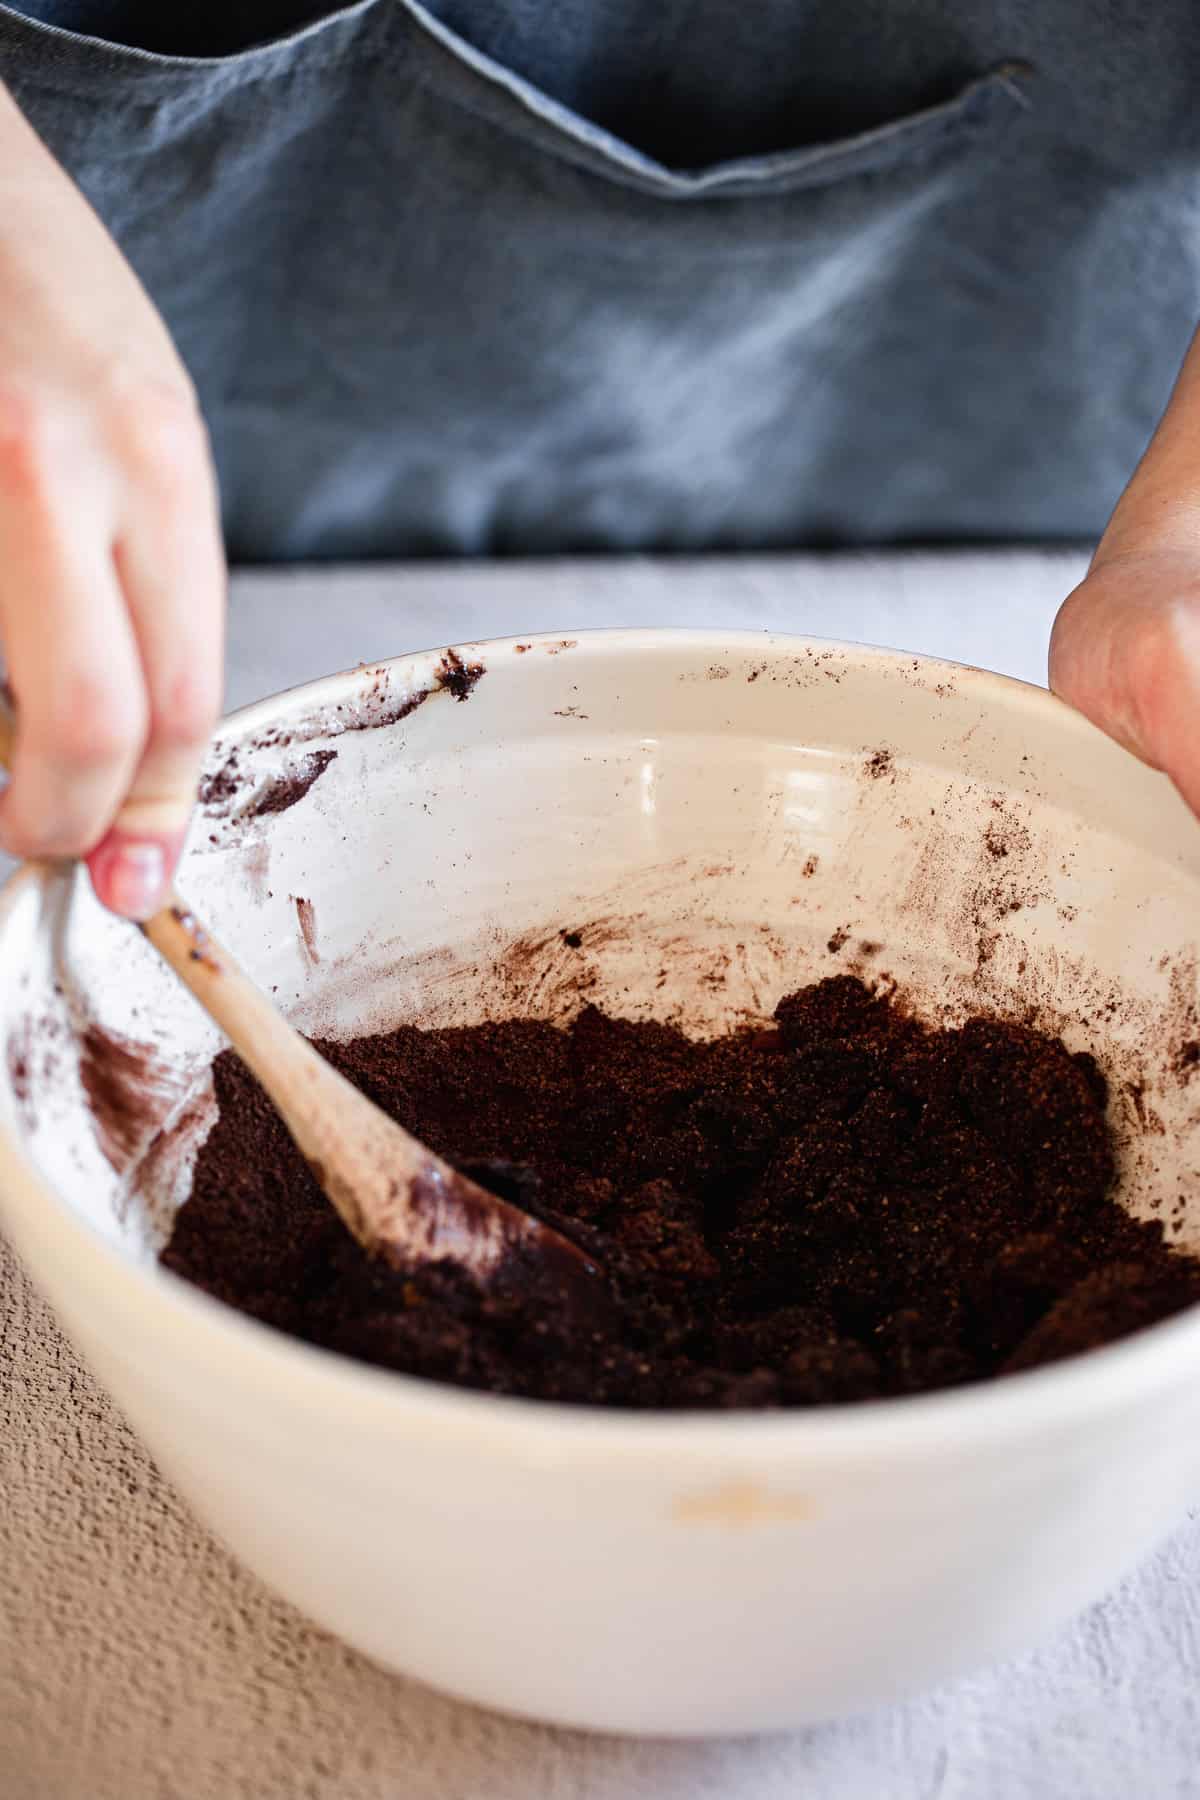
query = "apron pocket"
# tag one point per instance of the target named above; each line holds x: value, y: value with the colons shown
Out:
x: 496, y: 93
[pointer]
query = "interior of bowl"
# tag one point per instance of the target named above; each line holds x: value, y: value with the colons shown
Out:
x: 682, y: 826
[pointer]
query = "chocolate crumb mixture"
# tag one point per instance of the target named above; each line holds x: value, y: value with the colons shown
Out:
x: 848, y: 1205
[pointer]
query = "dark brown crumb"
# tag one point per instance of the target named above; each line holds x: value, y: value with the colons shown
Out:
x: 221, y: 786
x: 457, y: 677
x: 850, y: 1205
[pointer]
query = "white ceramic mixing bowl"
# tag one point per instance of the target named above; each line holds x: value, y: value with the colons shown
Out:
x: 744, y: 813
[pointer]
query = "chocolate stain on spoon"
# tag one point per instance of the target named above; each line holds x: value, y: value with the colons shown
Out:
x: 200, y: 945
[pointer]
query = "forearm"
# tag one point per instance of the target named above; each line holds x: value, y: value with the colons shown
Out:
x: 61, y: 273
x: 1160, y: 509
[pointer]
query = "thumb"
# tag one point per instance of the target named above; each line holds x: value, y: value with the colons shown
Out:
x: 1126, y: 652
x: 132, y: 866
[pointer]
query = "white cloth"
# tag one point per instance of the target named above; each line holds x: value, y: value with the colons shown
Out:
x: 138, y: 1662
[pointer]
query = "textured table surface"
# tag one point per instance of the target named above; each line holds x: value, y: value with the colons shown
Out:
x: 138, y: 1661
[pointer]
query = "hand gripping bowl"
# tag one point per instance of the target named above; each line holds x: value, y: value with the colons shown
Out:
x: 743, y: 813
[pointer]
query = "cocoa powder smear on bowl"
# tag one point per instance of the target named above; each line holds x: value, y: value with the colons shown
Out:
x: 849, y: 1205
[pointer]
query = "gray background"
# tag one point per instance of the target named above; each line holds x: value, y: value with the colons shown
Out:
x: 138, y: 1661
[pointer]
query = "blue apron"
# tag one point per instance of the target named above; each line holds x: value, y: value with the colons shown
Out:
x: 493, y: 276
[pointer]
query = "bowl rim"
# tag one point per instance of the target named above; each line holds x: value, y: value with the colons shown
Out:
x: 216, y: 1336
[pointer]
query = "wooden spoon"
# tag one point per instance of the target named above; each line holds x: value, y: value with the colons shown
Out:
x: 399, y: 1200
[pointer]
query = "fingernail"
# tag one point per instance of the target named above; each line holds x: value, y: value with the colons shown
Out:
x: 130, y: 876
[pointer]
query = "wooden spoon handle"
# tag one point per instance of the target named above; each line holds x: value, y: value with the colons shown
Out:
x: 287, y: 1066
x: 333, y: 1125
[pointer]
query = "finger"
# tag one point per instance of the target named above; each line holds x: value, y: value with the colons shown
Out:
x: 1126, y: 652
x: 72, y: 658
x: 170, y: 563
